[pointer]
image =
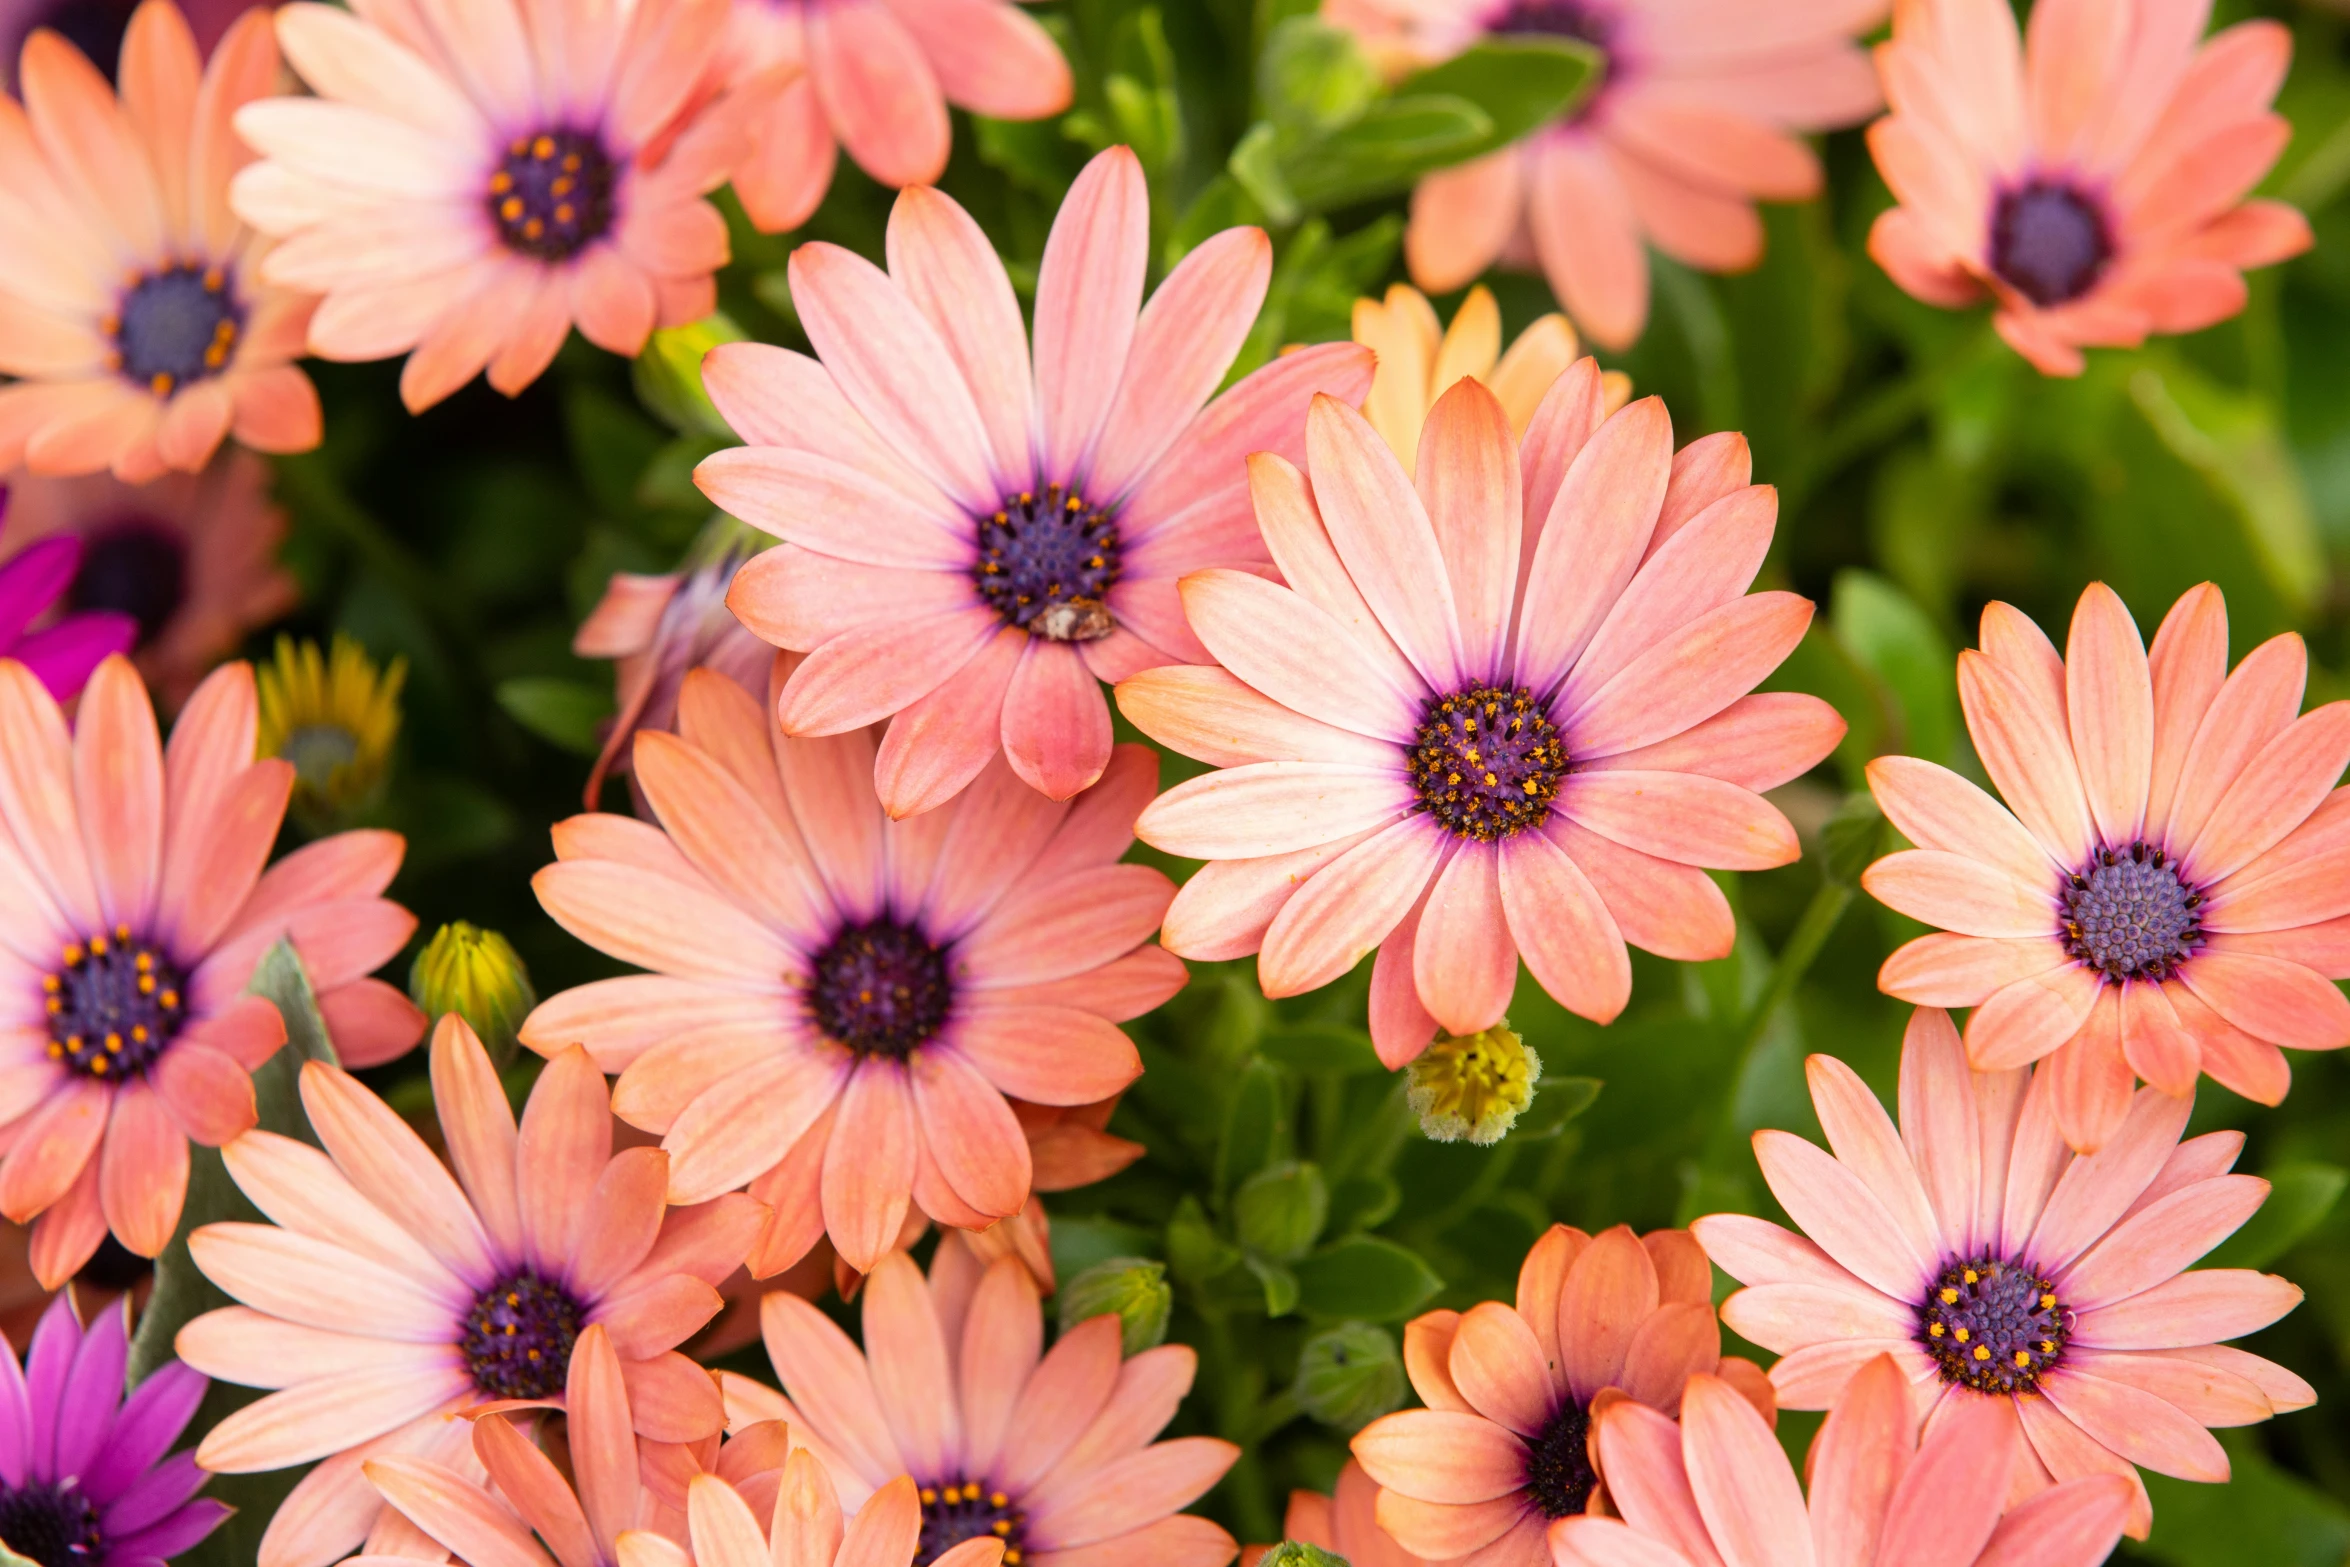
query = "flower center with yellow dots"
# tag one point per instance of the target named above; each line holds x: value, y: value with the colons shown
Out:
x: 1487, y: 761
x: 175, y: 325
x: 1047, y: 561
x: 517, y: 1339
x: 113, y: 1002
x: 968, y: 1510
x: 1993, y: 1325
x: 551, y: 194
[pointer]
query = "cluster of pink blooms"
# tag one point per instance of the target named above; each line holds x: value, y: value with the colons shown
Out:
x: 1494, y: 707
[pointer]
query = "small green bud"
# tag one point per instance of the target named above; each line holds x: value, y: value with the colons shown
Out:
x: 1349, y: 1375
x: 1279, y: 1211
x: 1133, y: 1287
x: 1194, y: 1250
x: 1296, y: 1553
x: 1474, y: 1086
x: 668, y: 375
x: 478, y: 975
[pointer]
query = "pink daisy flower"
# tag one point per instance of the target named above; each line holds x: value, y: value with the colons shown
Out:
x: 469, y: 184
x: 132, y: 308
x: 840, y: 1003
x: 1503, y: 1446
x: 190, y: 557
x: 970, y: 542
x: 1501, y: 714
x: 805, y: 1527
x: 62, y: 654
x: 954, y: 1389
x: 1717, y: 1488
x: 2169, y: 894
x: 2092, y: 182
x: 1345, y: 1523
x: 133, y: 906
x: 389, y: 1295
x: 876, y: 76
x: 1698, y: 114
x: 1997, y: 1266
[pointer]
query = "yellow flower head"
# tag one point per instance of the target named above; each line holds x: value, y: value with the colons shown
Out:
x: 334, y: 716
x: 1474, y: 1085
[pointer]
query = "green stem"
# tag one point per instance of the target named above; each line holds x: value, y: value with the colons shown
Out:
x: 1827, y: 906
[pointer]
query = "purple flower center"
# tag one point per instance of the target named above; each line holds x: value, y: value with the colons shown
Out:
x: 51, y: 1523
x: 1993, y: 1325
x: 551, y: 195
x: 1487, y: 761
x: 2129, y: 914
x: 1047, y: 561
x: 136, y: 566
x: 113, y: 1004
x: 2049, y: 241
x: 518, y: 1336
x: 881, y: 989
x: 1556, y: 18
x: 176, y: 326
x: 1559, y: 1475
x: 967, y: 1510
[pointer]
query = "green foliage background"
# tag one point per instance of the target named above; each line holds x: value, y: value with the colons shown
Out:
x: 1923, y: 470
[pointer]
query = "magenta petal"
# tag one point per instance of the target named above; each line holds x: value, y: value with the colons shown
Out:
x: 152, y: 1418
x: 47, y: 1367
x: 62, y: 656
x: 176, y: 1533
x: 158, y: 1493
x: 93, y: 1392
x: 34, y: 580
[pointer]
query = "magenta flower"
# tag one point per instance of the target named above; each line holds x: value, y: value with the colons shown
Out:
x: 61, y: 655
x: 973, y: 537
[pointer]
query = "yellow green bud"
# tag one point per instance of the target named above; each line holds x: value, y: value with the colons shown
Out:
x: 334, y: 716
x: 1279, y: 1211
x: 668, y: 374
x: 1474, y: 1086
x: 478, y: 975
x: 1296, y: 1553
x: 1349, y: 1375
x: 1133, y: 1287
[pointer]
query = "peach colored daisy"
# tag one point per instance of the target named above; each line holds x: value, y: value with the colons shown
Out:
x: 969, y: 542
x: 1419, y: 360
x: 133, y: 906
x: 1718, y: 1488
x: 1050, y: 1453
x: 191, y: 557
x: 805, y: 1527
x: 63, y: 653
x: 1994, y: 1264
x: 581, y: 1510
x: 2169, y: 894
x: 132, y: 308
x: 655, y: 629
x: 1503, y: 1446
x: 1344, y: 1523
x: 1698, y: 114
x: 876, y: 76
x: 840, y: 1003
x: 1503, y: 713
x: 471, y: 182
x: 2092, y: 182
x: 388, y: 1295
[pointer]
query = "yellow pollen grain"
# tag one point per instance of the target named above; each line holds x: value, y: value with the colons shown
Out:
x: 98, y: 945
x: 114, y: 1044
x: 543, y: 148
x: 145, y: 963
x: 1950, y: 1297
x: 571, y: 162
x: 2048, y: 1346
x: 73, y: 954
x: 1002, y: 1526
x: 1972, y: 1277
x: 929, y: 1496
x: 122, y: 933
x: 533, y: 229
x: 146, y: 984
x: 999, y: 1500
x: 562, y: 186
x: 1962, y: 1335
x: 501, y: 182
x: 170, y: 999
x: 1982, y: 1352
x: 2048, y: 1302
x: 563, y: 212
x: 98, y: 1065
x: 2023, y: 1357
x: 139, y: 1033
x: 510, y: 208
x: 1935, y: 1330
x: 56, y: 1051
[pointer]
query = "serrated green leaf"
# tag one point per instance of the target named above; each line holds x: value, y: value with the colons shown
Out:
x: 1522, y: 82
x: 561, y: 712
x: 1367, y: 1277
x: 2300, y: 1196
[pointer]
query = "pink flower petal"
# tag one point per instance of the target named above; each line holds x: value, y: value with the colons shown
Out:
x: 1468, y: 480
x: 2256, y: 704
x: 1056, y: 725
x: 1594, y: 534
x: 1272, y: 808
x: 1383, y: 534
x: 2109, y: 704
x: 1088, y: 291
x: 1681, y: 817
x: 1348, y: 907
x: 938, y: 255
x: 2019, y: 730
x: 1188, y: 336
x: 1559, y: 921
x: 1464, y: 963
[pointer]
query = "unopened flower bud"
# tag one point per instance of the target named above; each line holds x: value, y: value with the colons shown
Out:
x: 1349, y: 1376
x: 334, y: 715
x: 668, y: 374
x: 478, y: 975
x: 1279, y: 1211
x: 1133, y: 1287
x: 1474, y: 1085
x: 1296, y: 1553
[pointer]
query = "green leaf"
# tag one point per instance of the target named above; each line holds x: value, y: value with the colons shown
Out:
x: 1521, y: 82
x: 1279, y: 1285
x: 2300, y: 1196
x: 1366, y: 1277
x: 1252, y: 1126
x: 1195, y: 1252
x: 561, y: 712
x: 1313, y: 76
x: 2263, y: 1517
x: 1893, y: 639
x: 1363, y: 1202
x: 1386, y: 150
x: 1557, y: 1100
x: 1852, y: 839
x: 1255, y: 168
x: 1322, y: 1047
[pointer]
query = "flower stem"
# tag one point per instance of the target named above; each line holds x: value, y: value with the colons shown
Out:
x: 1827, y: 906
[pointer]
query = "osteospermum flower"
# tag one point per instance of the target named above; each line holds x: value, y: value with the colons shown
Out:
x: 840, y: 1003
x: 1503, y: 1446
x: 2092, y: 183
x: 133, y: 907
x: 62, y: 653
x: 1503, y: 714
x: 192, y: 558
x: 388, y: 1294
x: 1994, y: 1265
x: 1718, y: 1488
x: 334, y: 717
x: 970, y: 543
x: 2163, y: 899
x: 465, y: 190
x: 876, y: 77
x: 1419, y: 360
x: 83, y: 1474
x: 1049, y: 1453
x: 1344, y: 1523
x: 1696, y: 115
x: 804, y: 1527
x: 135, y: 317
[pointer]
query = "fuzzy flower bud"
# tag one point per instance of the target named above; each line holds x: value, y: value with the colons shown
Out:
x: 1279, y: 1211
x: 478, y: 975
x: 1133, y: 1287
x: 1296, y: 1553
x: 1349, y: 1375
x: 1474, y: 1086
x: 668, y: 375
